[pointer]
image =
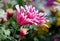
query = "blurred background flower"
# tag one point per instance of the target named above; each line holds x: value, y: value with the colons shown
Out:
x: 3, y: 15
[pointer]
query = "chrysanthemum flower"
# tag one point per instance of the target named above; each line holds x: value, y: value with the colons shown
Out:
x: 28, y: 15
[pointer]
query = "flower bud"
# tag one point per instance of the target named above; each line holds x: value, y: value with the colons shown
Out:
x: 23, y: 32
x: 10, y: 13
x: 4, y: 20
x: 42, y: 10
x: 53, y: 10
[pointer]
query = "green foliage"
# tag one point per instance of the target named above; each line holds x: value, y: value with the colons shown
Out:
x: 20, y: 2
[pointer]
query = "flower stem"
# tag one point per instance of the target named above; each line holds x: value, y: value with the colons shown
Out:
x: 15, y: 30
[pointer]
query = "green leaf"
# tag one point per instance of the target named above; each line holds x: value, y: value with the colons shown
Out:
x: 20, y: 2
x: 36, y: 39
x: 7, y: 32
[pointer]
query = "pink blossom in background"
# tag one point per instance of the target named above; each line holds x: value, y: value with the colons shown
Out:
x: 55, y: 38
x: 28, y: 15
x: 50, y: 3
x: 3, y: 14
